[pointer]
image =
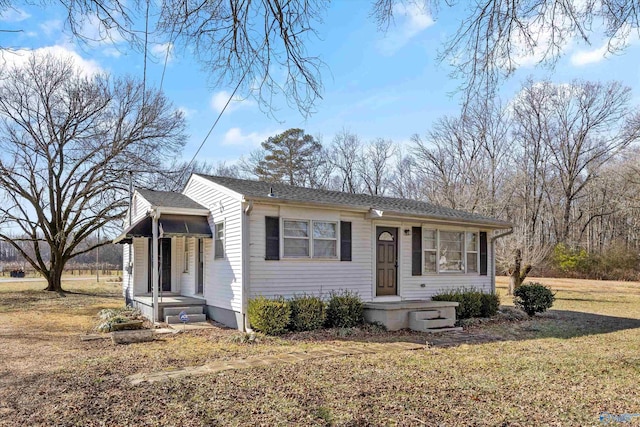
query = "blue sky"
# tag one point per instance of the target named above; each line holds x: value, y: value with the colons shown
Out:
x: 376, y: 84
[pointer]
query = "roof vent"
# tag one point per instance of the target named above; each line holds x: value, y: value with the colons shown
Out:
x: 271, y: 192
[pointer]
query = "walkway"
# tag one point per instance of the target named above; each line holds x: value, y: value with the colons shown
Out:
x: 213, y: 368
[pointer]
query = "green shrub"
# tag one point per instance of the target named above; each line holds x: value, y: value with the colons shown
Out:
x: 344, y: 310
x: 469, y: 301
x: 533, y: 298
x: 307, y: 313
x: 271, y: 316
x: 489, y: 305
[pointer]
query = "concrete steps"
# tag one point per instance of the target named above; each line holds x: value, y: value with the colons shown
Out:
x: 431, y: 321
x: 194, y: 312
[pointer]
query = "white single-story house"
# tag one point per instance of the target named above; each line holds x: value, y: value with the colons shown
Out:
x: 224, y: 240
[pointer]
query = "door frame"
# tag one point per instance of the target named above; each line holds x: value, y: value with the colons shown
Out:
x: 160, y: 261
x: 398, y: 242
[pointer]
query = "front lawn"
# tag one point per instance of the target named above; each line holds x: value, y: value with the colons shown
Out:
x: 567, y: 367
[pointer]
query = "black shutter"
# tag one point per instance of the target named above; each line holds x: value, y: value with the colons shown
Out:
x: 416, y: 251
x: 345, y: 241
x: 483, y: 253
x: 272, y: 233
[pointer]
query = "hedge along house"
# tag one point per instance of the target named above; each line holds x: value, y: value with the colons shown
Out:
x: 223, y: 241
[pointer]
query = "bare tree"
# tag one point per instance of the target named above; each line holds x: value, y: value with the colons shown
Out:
x: 175, y: 176
x: 67, y: 144
x: 374, y: 165
x: 496, y: 37
x: 345, y: 154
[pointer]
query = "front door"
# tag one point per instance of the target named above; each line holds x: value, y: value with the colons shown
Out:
x: 164, y: 249
x: 165, y: 264
x: 386, y: 261
x: 200, y: 275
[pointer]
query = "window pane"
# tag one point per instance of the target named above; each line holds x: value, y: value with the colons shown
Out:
x: 429, y: 244
x: 430, y: 261
x: 429, y: 234
x: 472, y: 262
x: 472, y: 242
x: 296, y: 247
x: 326, y: 230
x: 324, y: 248
x: 451, y: 243
x: 296, y: 229
x: 219, y: 249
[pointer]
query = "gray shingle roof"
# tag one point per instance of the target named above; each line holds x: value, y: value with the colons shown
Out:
x: 169, y: 199
x: 259, y: 189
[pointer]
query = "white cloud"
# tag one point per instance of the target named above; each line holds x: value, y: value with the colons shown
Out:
x: 160, y: 51
x: 584, y: 57
x: 14, y: 14
x: 235, y: 136
x: 411, y: 20
x: 51, y: 27
x: 220, y: 99
x: 187, y: 112
x: 21, y: 56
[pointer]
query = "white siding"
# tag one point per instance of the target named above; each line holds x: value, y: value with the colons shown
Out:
x: 127, y: 285
x: 140, y: 266
x: 223, y: 277
x: 287, y: 277
x: 139, y: 208
x: 188, y: 277
x: 411, y: 285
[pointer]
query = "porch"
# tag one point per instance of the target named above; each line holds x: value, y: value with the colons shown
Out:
x: 170, y: 305
x: 418, y: 315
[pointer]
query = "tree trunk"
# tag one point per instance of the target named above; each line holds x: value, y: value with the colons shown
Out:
x: 54, y: 281
x: 517, y: 274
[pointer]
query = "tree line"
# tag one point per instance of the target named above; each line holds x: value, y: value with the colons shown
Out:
x: 557, y: 160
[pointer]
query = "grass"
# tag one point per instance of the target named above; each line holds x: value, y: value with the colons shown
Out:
x: 564, y: 368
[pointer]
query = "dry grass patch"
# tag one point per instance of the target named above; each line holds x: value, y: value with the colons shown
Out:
x: 563, y: 368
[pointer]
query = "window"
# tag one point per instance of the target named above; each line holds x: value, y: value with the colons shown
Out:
x: 325, y: 239
x: 447, y: 251
x: 430, y: 248
x: 186, y: 256
x: 219, y: 243
x: 309, y: 239
x: 296, y: 238
x: 451, y: 251
x: 472, y: 252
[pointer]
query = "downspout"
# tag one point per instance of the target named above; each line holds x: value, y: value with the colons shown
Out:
x: 246, y: 249
x: 493, y: 257
x: 154, y: 259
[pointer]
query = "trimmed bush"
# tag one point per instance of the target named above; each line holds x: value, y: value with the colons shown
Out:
x: 469, y: 301
x: 490, y: 305
x: 533, y: 298
x: 271, y: 316
x: 307, y: 313
x: 344, y: 310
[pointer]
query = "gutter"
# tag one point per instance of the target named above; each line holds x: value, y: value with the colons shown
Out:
x: 493, y: 256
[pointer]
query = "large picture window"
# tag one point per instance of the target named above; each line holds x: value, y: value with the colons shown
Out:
x: 449, y: 251
x: 296, y: 238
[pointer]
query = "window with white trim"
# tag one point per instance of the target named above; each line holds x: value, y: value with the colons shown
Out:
x: 295, y: 238
x: 325, y: 239
x: 472, y: 252
x: 449, y: 251
x: 430, y: 250
x: 309, y: 239
x: 219, y: 241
